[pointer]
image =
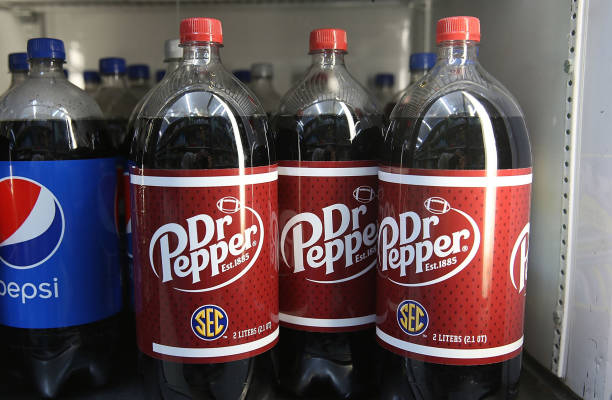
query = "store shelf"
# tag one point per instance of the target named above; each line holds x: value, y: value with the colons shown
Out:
x: 538, y: 49
x: 536, y: 383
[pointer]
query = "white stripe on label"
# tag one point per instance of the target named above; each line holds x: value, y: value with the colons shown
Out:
x: 449, y: 353
x: 191, y: 352
x: 202, y: 181
x: 317, y: 172
x: 455, y: 181
x: 327, y: 323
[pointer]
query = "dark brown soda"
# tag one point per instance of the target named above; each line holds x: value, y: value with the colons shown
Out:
x: 454, y: 143
x: 389, y: 109
x: 313, y: 364
x: 117, y: 128
x: 204, y: 143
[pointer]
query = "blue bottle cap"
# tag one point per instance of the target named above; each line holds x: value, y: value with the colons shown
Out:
x: 46, y: 48
x: 112, y: 65
x: 159, y: 75
x: 18, y: 62
x: 91, y: 76
x: 420, y: 61
x: 384, y: 80
x: 243, y: 74
x: 138, y: 71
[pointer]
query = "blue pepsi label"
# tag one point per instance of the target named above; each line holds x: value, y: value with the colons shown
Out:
x: 59, y: 257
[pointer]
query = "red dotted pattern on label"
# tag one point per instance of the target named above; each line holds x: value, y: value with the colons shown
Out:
x: 480, y: 299
x: 299, y: 295
x: 163, y: 314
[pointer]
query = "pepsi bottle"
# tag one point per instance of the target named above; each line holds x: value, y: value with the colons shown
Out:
x: 114, y: 97
x: 383, y: 87
x: 244, y: 75
x: 204, y: 224
x: 117, y: 102
x: 420, y: 64
x: 92, y: 81
x: 261, y: 85
x: 18, y: 67
x: 138, y: 79
x: 60, y: 288
x: 327, y: 133
x: 454, y: 189
x: 173, y: 55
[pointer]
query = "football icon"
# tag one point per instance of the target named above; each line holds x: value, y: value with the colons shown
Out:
x: 364, y: 194
x: 437, y: 205
x: 228, y: 205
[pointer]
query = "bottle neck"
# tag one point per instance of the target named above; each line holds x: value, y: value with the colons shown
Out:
x: 201, y: 53
x: 172, y: 64
x: 328, y: 58
x: 458, y: 52
x: 47, y: 68
x: 262, y: 81
x: 384, y: 88
x: 17, y: 77
x: 113, y: 80
x: 139, y: 82
x: 417, y: 74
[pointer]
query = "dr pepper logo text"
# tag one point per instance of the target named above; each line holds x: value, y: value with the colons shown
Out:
x: 327, y: 244
x: 427, y: 246
x: 204, y: 252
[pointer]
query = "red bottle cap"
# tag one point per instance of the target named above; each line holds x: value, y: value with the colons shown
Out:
x: 328, y: 39
x: 458, y: 28
x: 201, y: 30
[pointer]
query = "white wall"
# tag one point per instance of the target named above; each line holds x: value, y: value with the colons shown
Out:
x: 379, y: 35
x: 14, y: 33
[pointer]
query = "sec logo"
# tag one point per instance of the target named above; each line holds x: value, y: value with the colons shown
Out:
x: 209, y: 322
x: 412, y: 317
x: 32, y: 225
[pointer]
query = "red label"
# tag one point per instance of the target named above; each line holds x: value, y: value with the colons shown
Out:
x: 125, y: 181
x: 452, y: 249
x: 328, y: 244
x: 205, y: 263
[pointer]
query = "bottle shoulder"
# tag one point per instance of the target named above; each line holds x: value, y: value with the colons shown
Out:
x: 49, y: 98
x: 115, y: 102
x: 322, y: 88
x: 457, y: 117
x: 328, y: 116
x: 200, y: 91
x: 201, y: 117
x: 430, y: 95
